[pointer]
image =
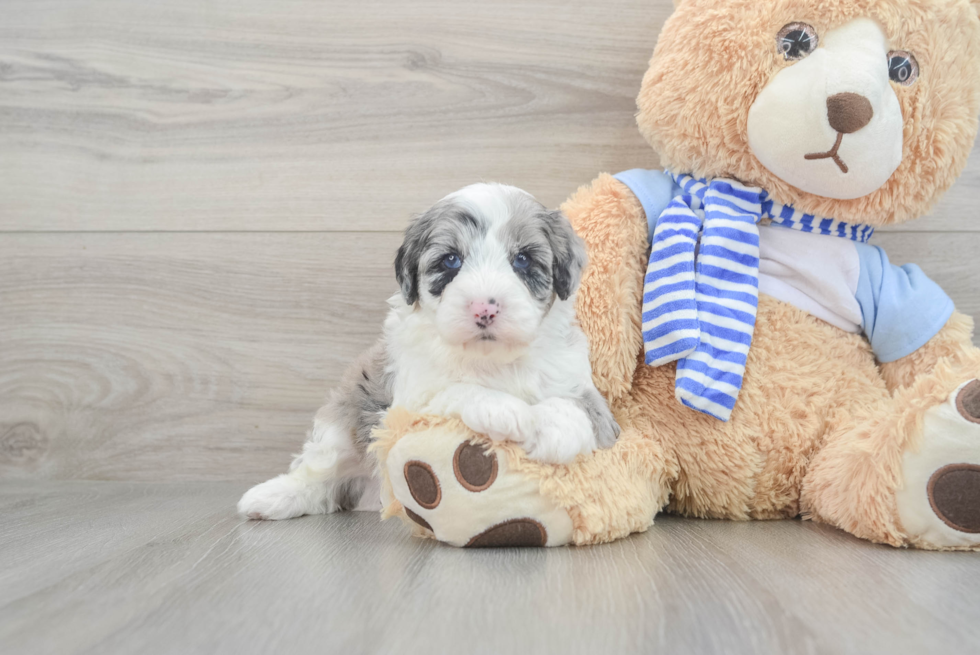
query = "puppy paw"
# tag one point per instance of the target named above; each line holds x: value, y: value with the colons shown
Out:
x: 606, y: 430
x: 603, y: 424
x: 562, y: 432
x: 282, y: 497
x: 496, y: 414
x: 503, y: 418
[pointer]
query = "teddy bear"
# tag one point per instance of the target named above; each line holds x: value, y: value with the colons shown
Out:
x: 763, y: 359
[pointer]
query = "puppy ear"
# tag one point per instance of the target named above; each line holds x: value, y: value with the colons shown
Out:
x: 407, y: 273
x: 409, y: 256
x: 407, y: 259
x: 570, y: 256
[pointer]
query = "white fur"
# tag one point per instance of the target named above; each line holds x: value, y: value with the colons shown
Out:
x: 329, y: 459
x: 514, y: 387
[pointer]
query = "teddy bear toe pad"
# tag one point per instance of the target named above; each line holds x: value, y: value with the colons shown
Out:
x: 968, y: 401
x: 939, y: 504
x: 515, y: 532
x: 954, y: 494
x: 423, y: 484
x: 475, y: 467
x: 465, y: 494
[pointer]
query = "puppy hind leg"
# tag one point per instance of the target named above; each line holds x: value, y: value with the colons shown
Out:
x: 333, y: 472
x: 329, y: 475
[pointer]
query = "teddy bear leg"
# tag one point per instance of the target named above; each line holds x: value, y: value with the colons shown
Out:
x: 945, y: 467
x: 939, y: 501
x: 953, y: 341
x: 909, y: 472
x: 851, y: 481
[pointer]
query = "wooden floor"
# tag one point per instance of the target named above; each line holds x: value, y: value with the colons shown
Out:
x: 113, y: 567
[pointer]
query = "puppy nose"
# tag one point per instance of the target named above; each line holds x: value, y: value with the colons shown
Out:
x: 484, y: 312
x: 848, y: 112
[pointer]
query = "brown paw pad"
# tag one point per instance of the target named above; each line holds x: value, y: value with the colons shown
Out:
x: 968, y: 401
x: 515, y: 532
x: 418, y: 519
x: 423, y: 484
x: 475, y: 467
x: 954, y: 493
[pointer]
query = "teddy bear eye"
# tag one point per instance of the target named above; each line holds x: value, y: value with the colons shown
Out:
x: 796, y: 41
x: 902, y: 67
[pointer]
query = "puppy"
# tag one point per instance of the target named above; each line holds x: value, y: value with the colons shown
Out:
x: 484, y: 329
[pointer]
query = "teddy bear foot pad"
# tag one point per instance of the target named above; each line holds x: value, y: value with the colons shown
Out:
x: 459, y: 492
x: 940, y: 502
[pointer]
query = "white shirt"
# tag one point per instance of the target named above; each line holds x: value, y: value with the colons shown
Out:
x: 816, y: 273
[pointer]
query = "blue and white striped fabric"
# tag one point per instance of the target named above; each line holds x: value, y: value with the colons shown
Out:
x: 700, y: 295
x: 786, y: 216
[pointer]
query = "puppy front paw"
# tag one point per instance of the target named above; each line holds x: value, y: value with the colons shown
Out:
x: 503, y: 418
x: 496, y: 414
x: 562, y: 432
x: 606, y: 430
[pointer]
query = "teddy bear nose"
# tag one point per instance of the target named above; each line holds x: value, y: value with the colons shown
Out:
x: 848, y: 112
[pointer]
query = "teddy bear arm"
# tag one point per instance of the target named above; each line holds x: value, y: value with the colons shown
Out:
x: 610, y: 219
x: 954, y: 341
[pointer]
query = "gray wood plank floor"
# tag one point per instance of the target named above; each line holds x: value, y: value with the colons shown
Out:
x: 115, y: 567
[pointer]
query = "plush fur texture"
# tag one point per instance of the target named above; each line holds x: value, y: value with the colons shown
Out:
x: 713, y: 59
x: 820, y: 428
x: 608, y: 496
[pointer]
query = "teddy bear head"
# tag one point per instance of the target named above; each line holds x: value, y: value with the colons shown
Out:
x: 860, y: 110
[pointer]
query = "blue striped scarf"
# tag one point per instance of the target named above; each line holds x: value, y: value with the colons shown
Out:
x: 700, y: 311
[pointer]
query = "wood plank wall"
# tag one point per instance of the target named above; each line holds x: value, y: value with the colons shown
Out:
x: 200, y: 201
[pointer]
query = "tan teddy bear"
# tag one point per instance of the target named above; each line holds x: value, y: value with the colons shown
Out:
x: 763, y: 359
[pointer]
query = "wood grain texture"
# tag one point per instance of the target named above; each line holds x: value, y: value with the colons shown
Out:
x: 191, y: 356
x: 307, y: 115
x: 177, y: 356
x: 152, y: 569
x: 312, y: 115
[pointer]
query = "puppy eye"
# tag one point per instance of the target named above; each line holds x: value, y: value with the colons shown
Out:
x: 902, y: 67
x: 452, y: 261
x: 796, y: 41
x: 522, y: 261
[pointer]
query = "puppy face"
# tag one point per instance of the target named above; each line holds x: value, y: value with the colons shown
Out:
x: 488, y: 263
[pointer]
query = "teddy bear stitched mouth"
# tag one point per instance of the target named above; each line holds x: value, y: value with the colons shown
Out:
x: 847, y: 113
x: 831, y: 154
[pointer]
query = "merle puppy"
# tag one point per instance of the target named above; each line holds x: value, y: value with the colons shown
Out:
x: 484, y: 329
